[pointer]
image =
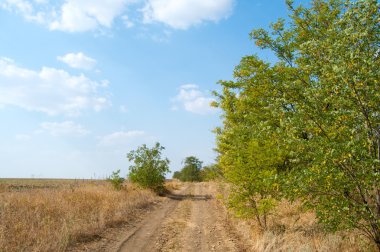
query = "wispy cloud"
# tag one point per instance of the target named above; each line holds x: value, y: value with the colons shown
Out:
x: 182, y: 14
x: 49, y: 90
x: 78, y: 60
x: 84, y: 15
x: 72, y: 15
x: 191, y: 99
x: 25, y: 9
x: 121, y: 138
x: 66, y: 128
x: 127, y: 22
x: 97, y: 15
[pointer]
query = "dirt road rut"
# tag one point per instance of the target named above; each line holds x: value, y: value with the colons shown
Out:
x: 190, y: 220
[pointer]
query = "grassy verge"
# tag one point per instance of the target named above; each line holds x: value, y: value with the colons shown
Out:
x: 51, y: 220
x: 292, y: 228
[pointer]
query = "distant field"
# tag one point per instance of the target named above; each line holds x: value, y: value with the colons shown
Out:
x: 21, y: 184
x: 42, y: 181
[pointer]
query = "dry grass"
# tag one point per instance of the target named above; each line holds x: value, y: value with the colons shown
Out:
x: 292, y: 229
x: 7, y: 185
x: 173, y: 185
x: 54, y: 219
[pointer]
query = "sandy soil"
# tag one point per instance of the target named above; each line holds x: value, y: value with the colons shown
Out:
x: 189, y: 220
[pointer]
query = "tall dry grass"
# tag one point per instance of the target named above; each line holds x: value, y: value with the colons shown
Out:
x: 53, y: 219
x: 292, y: 228
x: 173, y: 185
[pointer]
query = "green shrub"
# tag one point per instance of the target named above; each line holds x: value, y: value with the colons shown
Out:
x: 149, y: 168
x: 116, y: 180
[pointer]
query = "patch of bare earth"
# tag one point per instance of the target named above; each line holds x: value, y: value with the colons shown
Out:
x: 189, y: 220
x: 110, y: 239
x: 207, y: 229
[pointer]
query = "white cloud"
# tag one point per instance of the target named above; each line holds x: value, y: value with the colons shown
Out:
x: 182, y: 14
x: 189, y: 86
x: 41, y: 1
x: 66, y: 128
x: 78, y: 60
x: 26, y: 9
x: 99, y: 15
x: 121, y: 138
x: 72, y: 15
x: 49, y: 90
x: 193, y: 100
x: 85, y: 15
x: 21, y: 6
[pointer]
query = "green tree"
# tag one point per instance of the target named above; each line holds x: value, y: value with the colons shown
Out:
x: 251, y: 156
x: 191, y: 170
x: 177, y: 175
x: 308, y: 126
x: 211, y: 172
x: 149, y: 167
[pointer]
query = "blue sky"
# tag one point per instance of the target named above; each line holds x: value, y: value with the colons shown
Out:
x: 82, y: 82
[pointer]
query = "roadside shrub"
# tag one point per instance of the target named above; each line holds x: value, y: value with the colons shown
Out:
x: 116, y: 180
x: 149, y: 168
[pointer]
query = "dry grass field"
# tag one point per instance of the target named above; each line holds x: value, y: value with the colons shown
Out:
x: 56, y: 215
x: 51, y: 215
x: 291, y: 228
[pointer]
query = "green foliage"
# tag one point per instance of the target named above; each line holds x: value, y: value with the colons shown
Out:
x: 177, y: 175
x: 308, y: 126
x: 149, y: 168
x: 116, y: 180
x: 211, y: 172
x: 191, y: 170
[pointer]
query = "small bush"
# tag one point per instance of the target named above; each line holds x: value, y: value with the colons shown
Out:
x: 149, y: 168
x: 116, y: 180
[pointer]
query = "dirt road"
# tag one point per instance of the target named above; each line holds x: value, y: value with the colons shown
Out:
x: 189, y: 220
